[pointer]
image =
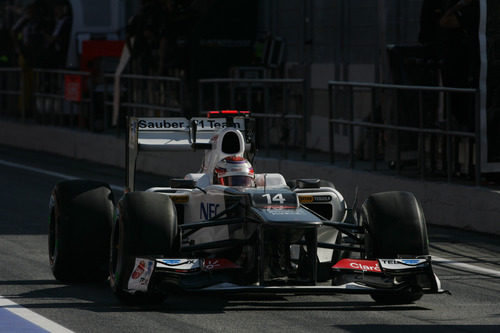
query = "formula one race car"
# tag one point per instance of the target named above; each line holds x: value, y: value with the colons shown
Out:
x: 226, y: 228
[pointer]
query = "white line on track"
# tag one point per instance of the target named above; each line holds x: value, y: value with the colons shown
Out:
x: 464, y: 266
x: 49, y: 173
x: 31, y: 316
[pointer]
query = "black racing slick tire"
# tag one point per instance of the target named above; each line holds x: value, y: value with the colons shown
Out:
x: 81, y: 215
x: 146, y: 226
x: 395, y: 226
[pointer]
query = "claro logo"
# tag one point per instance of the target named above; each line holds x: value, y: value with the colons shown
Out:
x: 358, y: 265
x: 371, y: 268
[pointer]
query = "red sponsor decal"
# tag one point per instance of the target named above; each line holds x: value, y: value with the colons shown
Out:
x: 213, y: 264
x: 359, y: 265
x: 139, y: 270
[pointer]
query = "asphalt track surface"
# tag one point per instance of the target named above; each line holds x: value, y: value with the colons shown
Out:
x: 468, y: 266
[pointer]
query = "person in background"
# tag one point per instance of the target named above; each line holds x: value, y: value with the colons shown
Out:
x: 143, y: 38
x: 58, y: 41
x: 29, y: 35
x: 461, y: 60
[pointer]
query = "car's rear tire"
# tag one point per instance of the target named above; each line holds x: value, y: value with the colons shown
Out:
x: 395, y: 225
x: 81, y: 214
x: 146, y: 226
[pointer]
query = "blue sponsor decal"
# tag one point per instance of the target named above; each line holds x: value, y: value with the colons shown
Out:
x: 171, y: 261
x: 410, y: 261
x: 208, y: 210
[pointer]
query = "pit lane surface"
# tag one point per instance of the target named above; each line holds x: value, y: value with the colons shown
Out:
x: 469, y: 268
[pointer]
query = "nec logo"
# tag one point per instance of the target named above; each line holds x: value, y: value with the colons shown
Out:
x: 208, y: 210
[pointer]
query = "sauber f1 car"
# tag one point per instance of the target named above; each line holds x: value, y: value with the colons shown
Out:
x: 250, y: 233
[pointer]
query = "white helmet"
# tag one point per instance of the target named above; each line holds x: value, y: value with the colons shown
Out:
x: 234, y: 171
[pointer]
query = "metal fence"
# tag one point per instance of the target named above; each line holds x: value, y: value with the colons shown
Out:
x: 141, y: 95
x: 279, y: 105
x: 423, y: 123
x: 63, y: 98
x: 42, y: 96
x: 79, y: 99
x: 11, y: 101
x: 409, y: 129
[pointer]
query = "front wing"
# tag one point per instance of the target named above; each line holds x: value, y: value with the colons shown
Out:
x: 350, y: 276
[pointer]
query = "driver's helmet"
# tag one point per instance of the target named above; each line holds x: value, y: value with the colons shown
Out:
x: 234, y: 171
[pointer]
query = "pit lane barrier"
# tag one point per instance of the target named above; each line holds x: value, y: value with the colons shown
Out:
x: 73, y: 99
x: 437, y: 138
x: 77, y: 99
x: 142, y: 96
x: 11, y: 89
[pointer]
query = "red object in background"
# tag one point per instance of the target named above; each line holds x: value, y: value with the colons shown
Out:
x: 73, y: 88
x: 222, y: 113
x: 94, y: 49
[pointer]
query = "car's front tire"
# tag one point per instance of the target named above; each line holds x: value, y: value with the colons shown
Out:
x: 146, y: 226
x: 395, y: 225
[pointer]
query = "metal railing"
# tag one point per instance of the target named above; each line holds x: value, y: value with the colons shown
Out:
x: 279, y: 105
x: 419, y: 132
x: 40, y: 95
x: 11, y: 88
x: 377, y: 113
x: 63, y: 98
x: 141, y: 95
x: 78, y: 99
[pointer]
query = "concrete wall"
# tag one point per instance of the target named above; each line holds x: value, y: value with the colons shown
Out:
x: 444, y: 204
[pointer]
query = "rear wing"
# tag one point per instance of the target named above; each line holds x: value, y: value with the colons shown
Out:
x: 176, y: 134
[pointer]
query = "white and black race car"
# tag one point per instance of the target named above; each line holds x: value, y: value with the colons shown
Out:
x: 256, y: 233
